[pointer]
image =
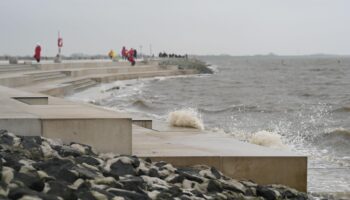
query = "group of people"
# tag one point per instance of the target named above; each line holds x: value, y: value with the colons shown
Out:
x: 129, y: 55
x: 172, y: 55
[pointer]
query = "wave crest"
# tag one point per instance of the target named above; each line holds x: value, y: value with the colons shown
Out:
x: 267, y: 139
x: 186, y: 117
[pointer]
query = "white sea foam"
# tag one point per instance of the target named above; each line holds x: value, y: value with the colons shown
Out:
x: 267, y: 139
x: 186, y: 117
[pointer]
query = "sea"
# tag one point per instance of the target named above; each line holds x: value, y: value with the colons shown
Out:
x: 299, y: 103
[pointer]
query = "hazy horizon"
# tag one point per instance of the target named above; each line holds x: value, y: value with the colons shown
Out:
x: 244, y: 27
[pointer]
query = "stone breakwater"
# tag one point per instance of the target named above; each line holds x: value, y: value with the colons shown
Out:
x: 35, y: 168
x: 191, y: 63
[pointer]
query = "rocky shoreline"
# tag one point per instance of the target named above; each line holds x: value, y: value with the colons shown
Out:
x: 34, y: 168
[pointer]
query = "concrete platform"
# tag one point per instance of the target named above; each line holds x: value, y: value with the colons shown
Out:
x: 29, y: 110
x: 105, y: 130
x: 187, y: 147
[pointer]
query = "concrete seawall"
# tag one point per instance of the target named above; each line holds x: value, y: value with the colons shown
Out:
x: 30, y: 105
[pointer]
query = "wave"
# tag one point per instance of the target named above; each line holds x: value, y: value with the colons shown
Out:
x: 229, y: 109
x: 186, y: 117
x: 267, y: 139
x: 338, y: 133
x: 243, y: 108
x: 342, y: 109
x: 142, y: 105
x: 335, y: 140
x: 264, y: 138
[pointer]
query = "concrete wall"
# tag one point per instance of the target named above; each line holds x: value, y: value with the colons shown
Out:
x: 290, y: 171
x: 22, y: 126
x: 15, y: 81
x: 105, y: 135
x: 145, y: 123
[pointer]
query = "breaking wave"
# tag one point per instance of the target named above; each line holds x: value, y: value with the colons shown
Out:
x: 186, y: 117
x: 267, y: 139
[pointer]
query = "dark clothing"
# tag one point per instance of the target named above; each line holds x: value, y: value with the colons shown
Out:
x: 135, y: 53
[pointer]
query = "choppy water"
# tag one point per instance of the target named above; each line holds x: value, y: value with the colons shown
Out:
x: 306, y: 100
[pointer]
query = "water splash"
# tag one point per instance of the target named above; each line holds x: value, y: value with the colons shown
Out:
x: 186, y: 117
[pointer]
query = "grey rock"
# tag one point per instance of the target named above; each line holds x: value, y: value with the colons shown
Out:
x: 88, y: 160
x: 266, y: 192
x: 121, y: 169
x: 134, y: 184
x: 58, y: 188
x: 214, y: 186
x: 129, y: 194
x: 190, y: 174
x: 31, y: 180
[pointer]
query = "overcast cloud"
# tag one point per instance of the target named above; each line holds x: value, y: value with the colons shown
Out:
x: 182, y: 26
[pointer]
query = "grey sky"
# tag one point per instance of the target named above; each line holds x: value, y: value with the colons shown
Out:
x: 182, y: 26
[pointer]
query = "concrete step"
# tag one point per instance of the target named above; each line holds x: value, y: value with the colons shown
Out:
x: 45, y: 76
x: 79, y: 81
x: 84, y: 84
x: 16, y: 68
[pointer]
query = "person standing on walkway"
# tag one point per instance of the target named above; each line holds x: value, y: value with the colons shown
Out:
x: 130, y: 56
x: 37, y: 53
x: 124, y: 53
x: 135, y: 54
x: 111, y: 54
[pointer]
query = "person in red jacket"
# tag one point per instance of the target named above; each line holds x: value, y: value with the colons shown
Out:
x: 130, y: 55
x: 37, y: 53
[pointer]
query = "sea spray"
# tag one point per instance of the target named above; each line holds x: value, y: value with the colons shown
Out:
x: 267, y: 139
x: 186, y: 117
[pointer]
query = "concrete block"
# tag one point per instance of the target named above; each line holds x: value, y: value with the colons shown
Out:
x: 105, y: 135
x: 291, y: 171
